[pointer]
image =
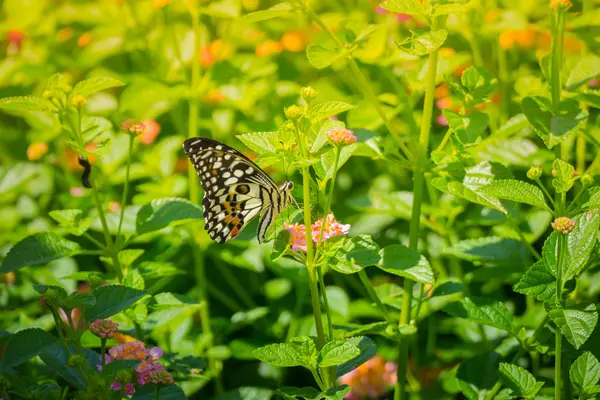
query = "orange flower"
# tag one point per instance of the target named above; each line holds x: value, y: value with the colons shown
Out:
x: 72, y: 161
x: 268, y: 47
x: 114, y: 206
x: 214, y: 51
x: 16, y: 36
x: 442, y: 91
x: 122, y: 338
x: 84, y: 39
x: 64, y: 34
x: 36, y: 150
x: 560, y: 5
x: 214, y: 96
x: 150, y: 132
x: 371, y: 379
x: 293, y: 41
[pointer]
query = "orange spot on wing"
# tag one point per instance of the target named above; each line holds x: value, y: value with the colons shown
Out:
x: 214, y: 172
x: 234, y: 231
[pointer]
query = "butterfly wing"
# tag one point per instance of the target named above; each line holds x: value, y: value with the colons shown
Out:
x: 235, y: 189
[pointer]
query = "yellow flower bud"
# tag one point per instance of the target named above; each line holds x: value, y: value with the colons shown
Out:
x: 78, y: 101
x: 294, y: 112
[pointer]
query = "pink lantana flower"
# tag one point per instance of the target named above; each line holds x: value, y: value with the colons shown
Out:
x: 298, y: 236
x: 331, y: 228
x: 341, y: 135
x: 371, y: 380
x: 103, y: 328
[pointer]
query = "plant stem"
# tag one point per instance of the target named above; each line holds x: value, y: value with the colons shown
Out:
x: 558, y: 334
x: 504, y: 83
x: 367, y: 284
x: 103, y: 351
x: 363, y: 84
x: 557, y: 43
x: 125, y: 190
x: 415, y: 221
x: 327, y: 209
x: 107, y: 236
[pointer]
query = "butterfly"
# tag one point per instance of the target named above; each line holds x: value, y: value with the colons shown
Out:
x: 235, y: 190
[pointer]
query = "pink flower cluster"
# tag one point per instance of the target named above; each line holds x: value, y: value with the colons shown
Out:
x: 563, y: 224
x: 104, y: 328
x: 339, y: 135
x: 371, y: 379
x: 330, y: 228
x: 149, y: 370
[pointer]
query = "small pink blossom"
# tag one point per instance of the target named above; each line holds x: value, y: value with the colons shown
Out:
x: 594, y: 83
x: 103, y: 328
x: 129, y: 389
x: 155, y: 353
x: 116, y: 385
x: 330, y: 229
x: 403, y: 18
x: 441, y: 120
x: 341, y: 135
x: 161, y: 378
x: 298, y: 236
x: 380, y: 10
x: 371, y: 379
x: 563, y: 224
x: 77, y: 191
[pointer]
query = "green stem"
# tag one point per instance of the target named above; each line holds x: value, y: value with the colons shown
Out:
x: 415, y: 221
x: 107, y: 236
x: 125, y: 190
x: 548, y: 195
x: 93, y: 240
x: 325, y: 302
x: 367, y: 284
x: 363, y: 84
x: 103, y: 351
x: 327, y: 209
x: 504, y: 83
x: 557, y: 43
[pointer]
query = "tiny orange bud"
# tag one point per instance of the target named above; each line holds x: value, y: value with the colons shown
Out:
x: 36, y: 150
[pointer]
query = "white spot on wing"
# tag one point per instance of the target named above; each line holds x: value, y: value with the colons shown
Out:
x: 231, y: 181
x: 239, y: 173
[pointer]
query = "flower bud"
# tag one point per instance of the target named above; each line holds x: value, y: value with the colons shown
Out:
x: 123, y: 376
x: 534, y: 173
x: 341, y: 135
x: 308, y: 93
x: 294, y: 113
x: 563, y: 225
x: 587, y: 179
x: 49, y: 299
x: 78, y: 101
x: 560, y: 5
x: 75, y: 360
x: 94, y: 281
x: 132, y: 127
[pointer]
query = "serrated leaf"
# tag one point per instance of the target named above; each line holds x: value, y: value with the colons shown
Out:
x: 576, y: 322
x: 279, y: 355
x: 110, y: 299
x: 468, y: 127
x: 278, y: 10
x: 160, y: 213
x: 127, y: 257
x: 321, y: 139
x: 587, y: 68
x: 261, y: 142
x: 24, y: 103
x: 307, y: 348
x: 93, y: 85
x: 538, y: 281
x: 320, y: 57
x: 556, y: 126
x: 490, y: 251
x: 580, y: 244
x: 326, y: 168
x: 399, y: 260
x: 367, y: 348
x: 337, y: 352
x: 38, y: 248
x: 519, y: 380
x: 25, y: 345
x: 424, y: 42
x: 411, y: 7
x: 519, y: 191
x: 585, y: 372
x: 484, y: 311
x: 327, y: 109
x: 563, y: 176
x: 351, y: 255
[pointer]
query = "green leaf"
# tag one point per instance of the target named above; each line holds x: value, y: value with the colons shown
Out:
x: 553, y: 127
x: 25, y: 345
x: 160, y: 213
x: 320, y: 57
x: 484, y: 311
x: 519, y: 380
x: 71, y: 220
x: 423, y: 42
x: 279, y: 355
x: 24, y: 103
x: 110, y: 370
x: 367, y: 348
x: 479, y: 83
x: 56, y: 358
x: 538, y: 281
x: 399, y: 260
x: 261, y: 142
x: 293, y: 393
x: 351, y: 255
x: 337, y: 352
x: 490, y: 251
x: 478, y: 375
x: 278, y: 10
x: 110, y: 299
x: 307, y: 348
x: 468, y: 127
x: 336, y: 393
x: 93, y: 85
x: 585, y: 372
x: 326, y: 169
x: 580, y: 244
x: 327, y: 109
x: 563, y: 175
x: 587, y: 68
x: 519, y: 191
x: 151, y: 391
x: 576, y: 322
x: 127, y: 257
x: 38, y: 248
x: 411, y: 7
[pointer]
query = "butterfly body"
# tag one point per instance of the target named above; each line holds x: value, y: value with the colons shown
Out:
x: 235, y: 190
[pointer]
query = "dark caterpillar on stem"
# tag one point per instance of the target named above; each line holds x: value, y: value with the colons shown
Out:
x: 87, y: 169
